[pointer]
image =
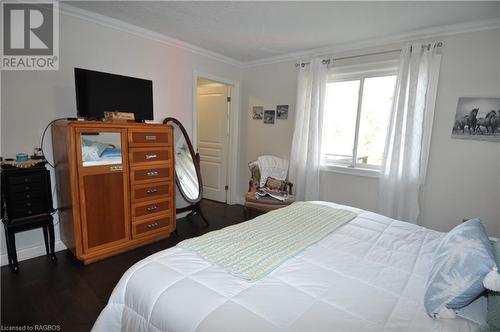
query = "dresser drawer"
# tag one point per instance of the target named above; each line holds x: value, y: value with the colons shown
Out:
x: 28, y: 204
x: 26, y: 195
x: 151, y: 208
x: 25, y: 187
x: 149, y: 191
x: 151, y: 226
x: 148, y: 174
x: 28, y: 178
x: 22, y: 212
x: 148, y: 156
x: 150, y: 137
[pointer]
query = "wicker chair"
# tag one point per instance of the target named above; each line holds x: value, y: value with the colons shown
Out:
x: 263, y: 205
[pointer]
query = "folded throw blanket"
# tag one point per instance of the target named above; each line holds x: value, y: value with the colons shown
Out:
x: 253, y: 249
x: 271, y: 166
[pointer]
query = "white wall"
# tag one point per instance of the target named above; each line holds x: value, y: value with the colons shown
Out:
x: 463, y: 176
x: 31, y: 99
x: 266, y: 86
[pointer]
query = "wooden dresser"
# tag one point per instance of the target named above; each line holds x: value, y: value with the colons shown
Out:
x: 115, y: 184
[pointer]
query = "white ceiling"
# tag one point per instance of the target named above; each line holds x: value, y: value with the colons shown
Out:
x: 250, y: 31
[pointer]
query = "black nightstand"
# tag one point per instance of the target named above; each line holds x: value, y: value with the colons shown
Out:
x: 26, y: 203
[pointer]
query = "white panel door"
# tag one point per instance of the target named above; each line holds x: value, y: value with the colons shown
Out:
x: 212, y: 142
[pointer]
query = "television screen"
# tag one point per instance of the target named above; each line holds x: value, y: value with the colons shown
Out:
x: 98, y: 92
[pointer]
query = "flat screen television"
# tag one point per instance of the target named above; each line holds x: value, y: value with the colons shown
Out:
x: 98, y: 92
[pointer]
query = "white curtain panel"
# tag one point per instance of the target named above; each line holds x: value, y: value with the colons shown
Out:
x: 306, y: 143
x: 409, y: 134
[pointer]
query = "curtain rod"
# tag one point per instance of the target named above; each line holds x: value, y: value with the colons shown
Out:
x: 327, y: 61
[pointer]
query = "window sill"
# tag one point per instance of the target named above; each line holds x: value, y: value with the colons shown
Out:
x: 366, y: 172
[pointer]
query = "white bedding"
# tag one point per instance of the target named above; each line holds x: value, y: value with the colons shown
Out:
x: 369, y: 275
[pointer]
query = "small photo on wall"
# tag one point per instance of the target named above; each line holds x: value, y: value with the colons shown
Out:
x: 258, y: 112
x: 477, y: 119
x: 269, y: 116
x: 282, y: 112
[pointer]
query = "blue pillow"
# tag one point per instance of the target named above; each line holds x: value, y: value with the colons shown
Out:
x: 476, y: 312
x: 493, y: 316
x: 461, y: 262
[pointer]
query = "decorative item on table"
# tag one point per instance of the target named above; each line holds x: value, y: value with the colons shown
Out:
x: 269, y: 116
x: 119, y: 117
x: 20, y: 157
x: 282, y: 112
x: 257, y: 112
x: 477, y: 119
x: 37, y: 153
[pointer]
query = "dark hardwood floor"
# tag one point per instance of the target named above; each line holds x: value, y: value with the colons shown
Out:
x: 71, y: 295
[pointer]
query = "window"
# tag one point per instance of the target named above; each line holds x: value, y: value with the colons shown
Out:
x: 357, y: 114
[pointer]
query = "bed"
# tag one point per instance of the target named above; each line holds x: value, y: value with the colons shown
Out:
x: 367, y: 275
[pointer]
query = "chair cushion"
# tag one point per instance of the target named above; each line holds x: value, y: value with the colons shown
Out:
x: 264, y: 207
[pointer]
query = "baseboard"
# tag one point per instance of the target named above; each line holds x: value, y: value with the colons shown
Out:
x: 240, y: 200
x: 31, y: 252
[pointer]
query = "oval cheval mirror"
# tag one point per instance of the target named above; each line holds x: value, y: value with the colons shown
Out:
x: 187, y: 170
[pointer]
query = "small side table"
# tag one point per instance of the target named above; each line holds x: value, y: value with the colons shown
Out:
x: 26, y: 203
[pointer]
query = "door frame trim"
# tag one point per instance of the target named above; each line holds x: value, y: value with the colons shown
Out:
x: 234, y: 139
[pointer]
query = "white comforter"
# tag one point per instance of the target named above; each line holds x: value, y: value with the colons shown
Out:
x: 368, y: 275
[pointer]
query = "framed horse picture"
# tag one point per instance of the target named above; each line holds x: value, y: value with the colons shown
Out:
x: 477, y: 119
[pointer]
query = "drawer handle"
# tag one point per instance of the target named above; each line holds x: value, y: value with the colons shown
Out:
x: 116, y: 168
x: 151, y: 156
x: 150, y: 137
x: 26, y: 180
x: 28, y: 196
x: 27, y: 188
x: 151, y: 191
x: 28, y: 204
x: 153, y: 225
x: 152, y: 208
x: 30, y: 212
x: 152, y: 173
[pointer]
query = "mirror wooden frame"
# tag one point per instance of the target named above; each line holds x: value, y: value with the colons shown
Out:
x: 194, y: 206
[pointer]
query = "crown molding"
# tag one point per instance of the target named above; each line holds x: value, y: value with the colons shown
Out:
x: 427, y: 33
x: 69, y: 10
